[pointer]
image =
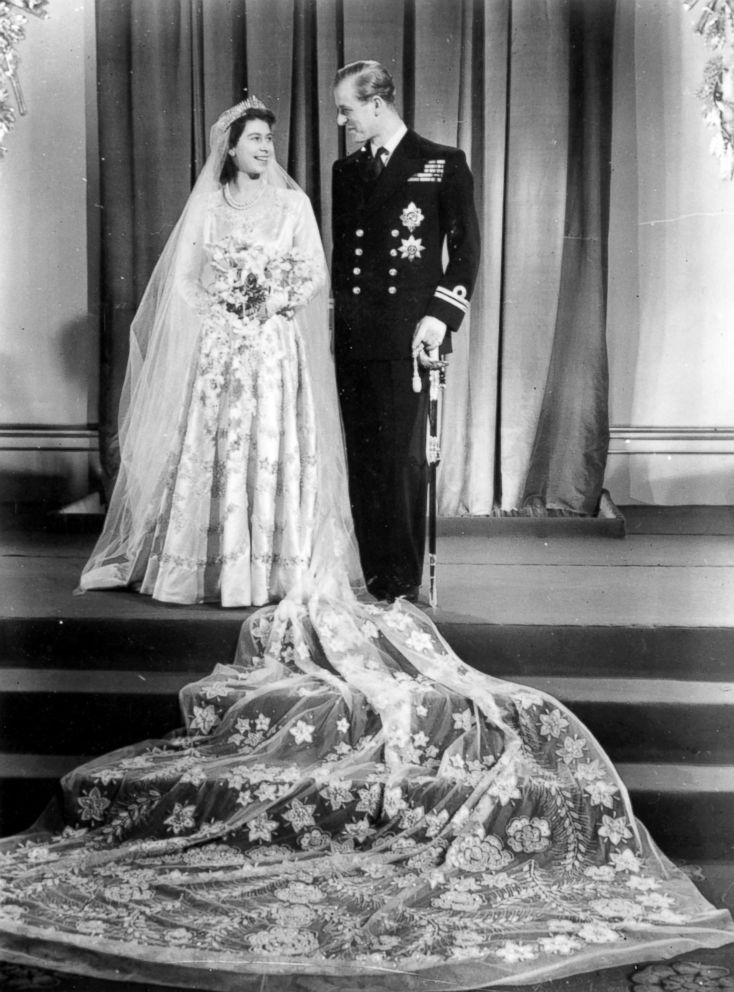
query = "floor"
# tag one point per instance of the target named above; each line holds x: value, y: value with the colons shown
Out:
x: 674, y: 569
x: 705, y: 971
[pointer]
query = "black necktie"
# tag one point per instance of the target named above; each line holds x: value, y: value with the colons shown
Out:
x: 375, y: 163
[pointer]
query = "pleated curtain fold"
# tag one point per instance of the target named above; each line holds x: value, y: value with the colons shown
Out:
x: 522, y: 86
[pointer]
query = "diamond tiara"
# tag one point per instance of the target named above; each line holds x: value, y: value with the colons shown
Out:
x: 234, y: 113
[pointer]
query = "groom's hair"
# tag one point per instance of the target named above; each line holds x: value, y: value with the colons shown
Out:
x: 370, y: 79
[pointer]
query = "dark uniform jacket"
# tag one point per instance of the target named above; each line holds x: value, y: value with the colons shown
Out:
x: 388, y: 264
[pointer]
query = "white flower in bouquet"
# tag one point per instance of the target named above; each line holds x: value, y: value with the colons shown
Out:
x: 252, y: 284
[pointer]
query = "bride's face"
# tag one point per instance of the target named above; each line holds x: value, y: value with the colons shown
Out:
x: 254, y: 149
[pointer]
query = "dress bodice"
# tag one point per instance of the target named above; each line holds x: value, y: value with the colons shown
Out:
x: 279, y: 220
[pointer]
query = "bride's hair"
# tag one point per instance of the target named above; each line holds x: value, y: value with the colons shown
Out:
x: 229, y: 169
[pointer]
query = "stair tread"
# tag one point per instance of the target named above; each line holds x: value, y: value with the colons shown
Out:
x: 101, y: 682
x: 676, y: 778
x: 570, y: 689
x: 635, y: 691
x: 29, y: 766
x: 587, y: 592
x: 694, y: 551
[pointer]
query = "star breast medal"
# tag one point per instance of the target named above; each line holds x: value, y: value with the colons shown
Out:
x: 411, y: 217
x: 412, y: 248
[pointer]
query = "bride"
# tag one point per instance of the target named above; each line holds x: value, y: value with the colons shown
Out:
x: 229, y: 387
x: 348, y: 805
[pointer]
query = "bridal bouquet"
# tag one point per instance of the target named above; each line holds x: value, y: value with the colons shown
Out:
x: 253, y: 283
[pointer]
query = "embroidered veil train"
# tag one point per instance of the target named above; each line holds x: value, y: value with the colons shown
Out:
x: 348, y: 805
x: 349, y: 800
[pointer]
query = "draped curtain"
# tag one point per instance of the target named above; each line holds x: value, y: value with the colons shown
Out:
x: 671, y: 292
x: 523, y: 86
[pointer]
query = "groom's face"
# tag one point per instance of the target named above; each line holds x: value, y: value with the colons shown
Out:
x: 360, y: 118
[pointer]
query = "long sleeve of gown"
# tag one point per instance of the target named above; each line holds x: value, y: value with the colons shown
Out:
x: 194, y: 271
x: 307, y: 238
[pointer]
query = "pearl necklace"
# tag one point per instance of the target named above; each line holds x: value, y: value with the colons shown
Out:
x: 242, y: 204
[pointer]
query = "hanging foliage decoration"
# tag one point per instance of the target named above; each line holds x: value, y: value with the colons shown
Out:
x: 12, y: 31
x: 715, y: 24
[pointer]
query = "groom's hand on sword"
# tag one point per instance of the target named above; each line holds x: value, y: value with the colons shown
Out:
x: 427, y: 338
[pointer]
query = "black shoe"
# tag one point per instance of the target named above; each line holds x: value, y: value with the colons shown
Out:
x: 410, y: 593
x: 377, y: 587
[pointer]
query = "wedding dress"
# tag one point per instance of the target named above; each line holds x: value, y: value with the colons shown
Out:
x: 236, y: 516
x: 348, y: 806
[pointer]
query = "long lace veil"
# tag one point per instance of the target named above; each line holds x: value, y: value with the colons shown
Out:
x: 163, y: 342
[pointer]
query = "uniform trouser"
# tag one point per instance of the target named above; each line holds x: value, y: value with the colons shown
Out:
x: 385, y: 426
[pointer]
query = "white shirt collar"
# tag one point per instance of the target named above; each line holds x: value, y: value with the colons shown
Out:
x: 392, y: 142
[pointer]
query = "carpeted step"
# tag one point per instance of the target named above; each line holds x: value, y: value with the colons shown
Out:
x: 604, y: 651
x: 193, y: 642
x: 194, y: 639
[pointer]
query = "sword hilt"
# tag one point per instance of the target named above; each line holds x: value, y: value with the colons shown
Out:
x: 417, y: 384
x: 432, y: 593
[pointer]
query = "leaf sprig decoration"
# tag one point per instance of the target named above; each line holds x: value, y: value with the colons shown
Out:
x: 12, y: 31
x: 715, y: 24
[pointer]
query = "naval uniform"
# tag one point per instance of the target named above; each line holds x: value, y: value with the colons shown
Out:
x: 389, y: 270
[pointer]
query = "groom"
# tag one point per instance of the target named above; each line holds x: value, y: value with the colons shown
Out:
x: 397, y: 201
